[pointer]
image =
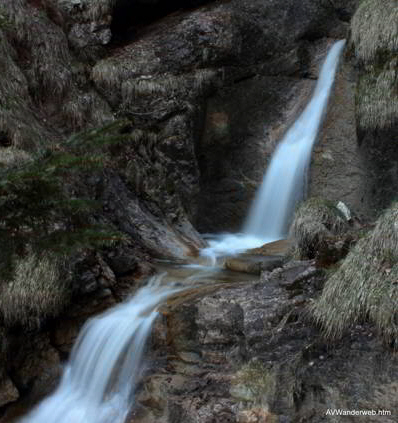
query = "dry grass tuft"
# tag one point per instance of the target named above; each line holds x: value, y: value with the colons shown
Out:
x: 117, y: 78
x: 136, y: 88
x: 86, y: 110
x: 35, y: 293
x: 11, y: 157
x: 99, y: 8
x: 375, y: 36
x: 204, y: 78
x: 377, y: 97
x: 46, y: 45
x: 41, y: 85
x: 16, y: 118
x: 375, y: 28
x: 315, y: 221
x: 366, y: 284
x: 108, y: 76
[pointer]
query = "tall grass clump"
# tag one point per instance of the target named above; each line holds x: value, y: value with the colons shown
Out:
x: 375, y: 29
x: 37, y: 291
x: 375, y: 37
x: 365, y: 287
x: 315, y: 222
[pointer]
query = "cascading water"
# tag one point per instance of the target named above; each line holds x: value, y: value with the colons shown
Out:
x: 98, y: 383
x: 284, y: 183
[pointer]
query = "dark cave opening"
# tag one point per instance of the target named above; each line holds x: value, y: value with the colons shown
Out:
x: 131, y: 15
x: 5, y: 140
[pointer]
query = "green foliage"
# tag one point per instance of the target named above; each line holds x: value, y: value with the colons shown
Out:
x: 40, y: 207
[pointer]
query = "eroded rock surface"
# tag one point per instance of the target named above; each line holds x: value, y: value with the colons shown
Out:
x: 247, y: 353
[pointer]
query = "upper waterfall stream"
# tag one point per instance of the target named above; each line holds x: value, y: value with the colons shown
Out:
x: 99, y: 380
x: 285, y: 180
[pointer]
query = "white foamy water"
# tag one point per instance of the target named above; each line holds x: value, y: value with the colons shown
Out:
x: 229, y: 245
x: 284, y: 183
x: 99, y: 381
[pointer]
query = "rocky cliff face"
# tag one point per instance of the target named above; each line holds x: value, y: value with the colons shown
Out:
x: 248, y: 354
x: 360, y: 130
x: 208, y: 88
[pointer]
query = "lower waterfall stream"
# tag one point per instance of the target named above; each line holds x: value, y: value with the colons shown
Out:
x: 99, y: 380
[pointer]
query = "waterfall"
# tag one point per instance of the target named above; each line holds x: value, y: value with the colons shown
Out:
x: 98, y: 383
x: 284, y: 183
x: 99, y: 380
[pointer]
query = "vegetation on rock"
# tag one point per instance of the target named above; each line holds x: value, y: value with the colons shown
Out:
x: 40, y: 73
x: 254, y: 383
x: 375, y: 36
x: 374, y: 29
x: 38, y: 290
x: 315, y: 222
x: 44, y: 218
x: 366, y: 284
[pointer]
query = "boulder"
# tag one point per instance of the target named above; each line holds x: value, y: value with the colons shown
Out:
x: 8, y: 391
x: 253, y: 264
x: 248, y: 353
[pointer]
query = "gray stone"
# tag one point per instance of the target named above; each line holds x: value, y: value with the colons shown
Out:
x: 8, y: 391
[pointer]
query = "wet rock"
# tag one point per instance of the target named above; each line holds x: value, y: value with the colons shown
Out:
x: 123, y: 261
x: 65, y: 335
x: 294, y: 274
x: 8, y: 391
x: 338, y: 167
x: 253, y: 264
x: 258, y: 109
x: 35, y: 365
x: 256, y: 415
x: 156, y: 235
x: 248, y: 353
x: 275, y: 248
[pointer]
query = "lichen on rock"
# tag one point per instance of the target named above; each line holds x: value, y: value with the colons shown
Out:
x: 255, y: 384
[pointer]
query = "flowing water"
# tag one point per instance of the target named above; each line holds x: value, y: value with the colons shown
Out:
x: 284, y: 183
x: 98, y: 383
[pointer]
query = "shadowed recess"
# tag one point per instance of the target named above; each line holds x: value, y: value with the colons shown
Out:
x: 130, y: 15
